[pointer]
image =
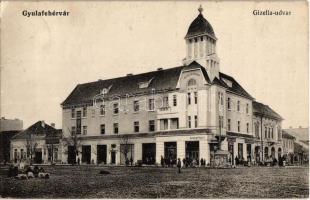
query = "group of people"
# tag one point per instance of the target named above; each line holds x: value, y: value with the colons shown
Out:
x: 268, y: 161
x: 29, y: 171
x: 187, y: 162
x: 169, y: 161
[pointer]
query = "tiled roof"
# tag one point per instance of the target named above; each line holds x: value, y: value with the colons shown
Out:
x: 39, y: 130
x: 200, y: 26
x: 236, y: 87
x: 299, y: 133
x: 160, y: 80
x: 287, y: 136
x: 261, y: 109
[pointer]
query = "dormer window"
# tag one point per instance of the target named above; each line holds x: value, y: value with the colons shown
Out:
x: 145, y: 84
x: 105, y: 90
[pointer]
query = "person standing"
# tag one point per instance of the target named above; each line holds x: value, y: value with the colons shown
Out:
x: 179, y: 165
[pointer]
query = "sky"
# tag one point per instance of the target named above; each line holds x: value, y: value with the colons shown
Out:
x: 44, y: 58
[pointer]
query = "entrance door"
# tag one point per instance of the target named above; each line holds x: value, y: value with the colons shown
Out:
x: 257, y: 154
x: 249, y: 152
x: 113, y: 157
x: 231, y: 151
x: 192, y: 150
x: 148, y: 153
x: 101, y: 154
x: 86, y: 151
x: 71, y: 155
x: 170, y: 152
x: 279, y: 153
x: 38, y: 156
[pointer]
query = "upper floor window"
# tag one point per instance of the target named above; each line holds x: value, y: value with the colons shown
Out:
x: 165, y: 101
x: 265, y: 131
x: 247, y: 127
x: 72, y: 113
x: 189, y: 121
x: 238, y: 106
x: 247, y: 108
x: 239, y: 126
x: 174, y: 100
x: 84, y: 130
x: 228, y: 103
x: 136, y: 126
x: 196, y: 121
x: 136, y: 106
x: 115, y: 127
x: 272, y: 133
x: 228, y: 124
x: 269, y: 130
x: 102, y: 109
x: 151, y: 104
x: 102, y: 129
x: 152, y: 125
x: 115, y: 108
x: 256, y: 130
x: 195, y: 97
x: 84, y: 111
x: 191, y: 82
x: 73, y: 130
x: 189, y: 98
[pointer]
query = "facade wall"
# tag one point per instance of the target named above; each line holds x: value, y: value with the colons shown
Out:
x: 240, y: 115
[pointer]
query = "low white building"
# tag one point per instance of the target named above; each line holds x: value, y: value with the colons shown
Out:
x: 39, y: 143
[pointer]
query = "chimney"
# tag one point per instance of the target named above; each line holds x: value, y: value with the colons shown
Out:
x: 159, y: 69
x: 53, y: 125
x: 130, y: 74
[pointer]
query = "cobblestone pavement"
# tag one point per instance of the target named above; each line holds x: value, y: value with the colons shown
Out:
x: 151, y: 182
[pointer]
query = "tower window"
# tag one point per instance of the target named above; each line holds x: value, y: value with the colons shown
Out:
x: 196, y: 40
x: 190, y: 40
x: 201, y: 38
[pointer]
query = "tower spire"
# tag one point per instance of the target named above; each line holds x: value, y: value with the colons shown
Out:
x: 200, y: 9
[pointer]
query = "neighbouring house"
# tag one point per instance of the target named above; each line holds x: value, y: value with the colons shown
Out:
x: 39, y: 143
x: 192, y: 112
x: 8, y: 128
x: 288, y: 142
x: 301, y: 144
x: 267, y: 133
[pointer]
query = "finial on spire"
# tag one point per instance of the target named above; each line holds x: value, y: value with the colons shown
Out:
x: 200, y: 9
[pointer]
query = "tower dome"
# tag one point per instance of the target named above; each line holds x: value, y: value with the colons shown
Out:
x: 200, y: 26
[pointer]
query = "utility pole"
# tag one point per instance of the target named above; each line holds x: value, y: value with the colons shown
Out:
x: 261, y: 139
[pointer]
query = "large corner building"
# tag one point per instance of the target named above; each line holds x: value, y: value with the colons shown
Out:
x: 192, y: 111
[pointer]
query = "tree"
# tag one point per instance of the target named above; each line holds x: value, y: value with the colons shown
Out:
x: 73, y: 141
x: 31, y: 146
x: 125, y: 147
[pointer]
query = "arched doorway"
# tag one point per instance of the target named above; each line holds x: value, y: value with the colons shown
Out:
x: 273, y: 152
x: 279, y: 153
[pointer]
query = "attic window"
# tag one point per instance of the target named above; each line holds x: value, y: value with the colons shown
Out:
x: 105, y: 90
x: 145, y: 84
x: 228, y: 82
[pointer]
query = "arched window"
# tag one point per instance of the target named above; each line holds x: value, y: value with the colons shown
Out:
x: 191, y: 82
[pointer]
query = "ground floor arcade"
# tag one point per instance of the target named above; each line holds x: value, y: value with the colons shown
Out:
x: 152, y: 150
